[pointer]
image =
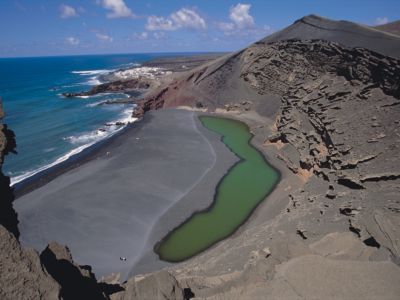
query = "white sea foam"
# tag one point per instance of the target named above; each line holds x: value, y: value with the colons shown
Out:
x: 94, y: 104
x: 92, y: 72
x: 49, y: 149
x: 87, y: 140
x: 97, y: 103
x: 92, y: 81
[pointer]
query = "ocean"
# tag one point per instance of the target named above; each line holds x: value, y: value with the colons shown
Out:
x: 48, y: 127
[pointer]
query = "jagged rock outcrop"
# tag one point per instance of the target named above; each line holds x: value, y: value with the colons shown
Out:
x: 323, y: 85
x: 22, y: 274
x: 77, y: 282
x: 8, y: 217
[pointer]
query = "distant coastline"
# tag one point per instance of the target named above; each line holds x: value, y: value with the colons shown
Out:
x: 106, y: 112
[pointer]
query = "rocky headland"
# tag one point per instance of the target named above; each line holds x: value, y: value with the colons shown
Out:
x: 322, y: 98
x: 115, y: 86
x: 141, y: 79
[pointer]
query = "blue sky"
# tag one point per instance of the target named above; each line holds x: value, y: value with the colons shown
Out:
x: 70, y: 27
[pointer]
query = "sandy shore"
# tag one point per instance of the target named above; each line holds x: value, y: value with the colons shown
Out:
x: 140, y: 185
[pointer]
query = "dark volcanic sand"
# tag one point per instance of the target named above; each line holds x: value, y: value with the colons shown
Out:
x: 109, y: 207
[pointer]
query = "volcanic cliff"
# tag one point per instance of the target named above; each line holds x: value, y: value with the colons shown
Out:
x: 323, y: 98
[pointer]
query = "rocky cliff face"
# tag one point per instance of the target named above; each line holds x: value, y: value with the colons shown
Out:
x: 338, y: 121
x: 24, y: 273
x: 338, y: 106
x: 8, y: 217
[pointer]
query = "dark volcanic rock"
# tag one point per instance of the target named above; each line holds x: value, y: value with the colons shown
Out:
x: 114, y: 86
x: 8, y: 216
x: 77, y: 282
x: 313, y: 78
x: 22, y: 275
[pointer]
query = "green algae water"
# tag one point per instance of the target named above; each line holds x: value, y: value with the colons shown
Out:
x: 239, y: 192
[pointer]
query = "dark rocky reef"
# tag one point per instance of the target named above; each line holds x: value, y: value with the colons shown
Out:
x: 114, y: 86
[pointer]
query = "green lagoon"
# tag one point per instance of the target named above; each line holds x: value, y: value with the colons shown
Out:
x: 238, y: 193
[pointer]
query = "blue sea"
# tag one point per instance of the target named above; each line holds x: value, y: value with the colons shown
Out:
x: 50, y: 128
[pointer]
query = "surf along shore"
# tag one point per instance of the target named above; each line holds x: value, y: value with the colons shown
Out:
x: 63, y: 202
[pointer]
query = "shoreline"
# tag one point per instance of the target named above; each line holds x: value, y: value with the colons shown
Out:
x: 100, y: 149
x: 138, y: 186
x: 173, y: 63
x: 89, y: 153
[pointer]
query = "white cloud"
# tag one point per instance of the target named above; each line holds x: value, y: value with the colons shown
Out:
x: 226, y: 27
x: 381, y: 20
x: 159, y: 23
x: 73, y: 41
x: 188, y: 18
x: 159, y: 35
x: 241, y: 20
x: 67, y: 11
x: 239, y: 14
x: 183, y: 18
x: 118, y: 9
x: 242, y: 24
x: 104, y: 37
x: 141, y: 36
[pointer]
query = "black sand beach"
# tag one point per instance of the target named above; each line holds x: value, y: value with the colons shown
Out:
x: 108, y: 207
